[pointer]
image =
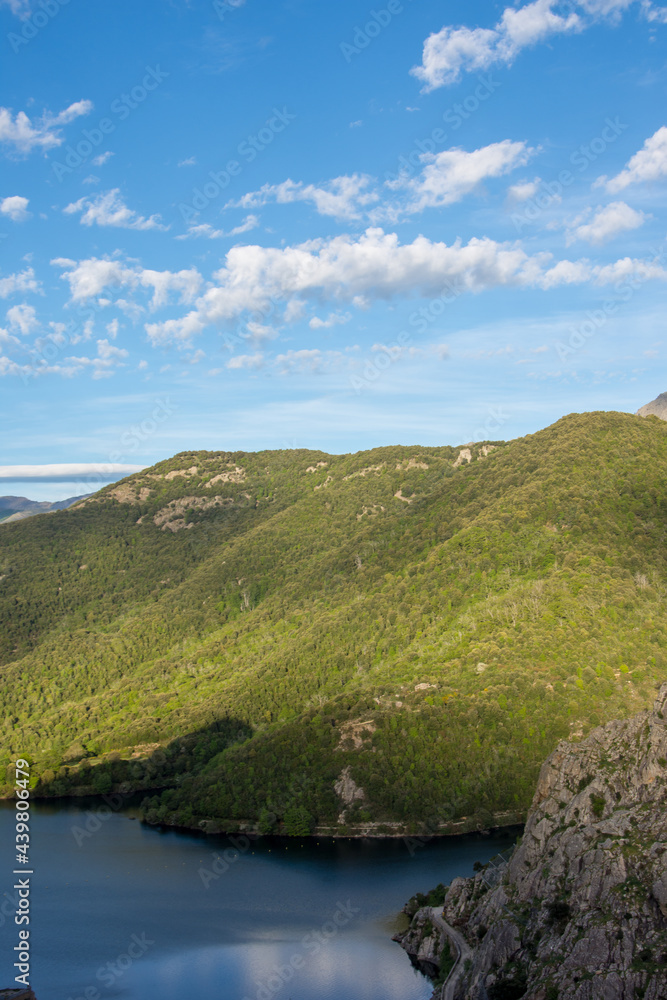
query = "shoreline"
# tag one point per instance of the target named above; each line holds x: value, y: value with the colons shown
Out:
x: 368, y: 831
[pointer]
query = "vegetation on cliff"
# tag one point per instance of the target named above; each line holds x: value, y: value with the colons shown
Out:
x: 579, y: 910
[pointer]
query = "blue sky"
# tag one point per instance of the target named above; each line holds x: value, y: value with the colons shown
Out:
x: 245, y: 225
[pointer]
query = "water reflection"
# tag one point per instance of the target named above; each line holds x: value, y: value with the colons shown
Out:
x: 126, y: 912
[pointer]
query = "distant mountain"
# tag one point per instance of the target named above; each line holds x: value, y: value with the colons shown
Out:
x: 18, y: 508
x: 658, y: 408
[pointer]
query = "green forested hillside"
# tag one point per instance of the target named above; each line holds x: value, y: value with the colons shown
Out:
x: 295, y: 639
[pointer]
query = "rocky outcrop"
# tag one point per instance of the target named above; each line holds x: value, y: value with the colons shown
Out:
x: 424, y: 942
x: 579, y: 911
x: 656, y: 408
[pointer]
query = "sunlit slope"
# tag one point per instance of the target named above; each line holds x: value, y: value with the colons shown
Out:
x: 431, y: 623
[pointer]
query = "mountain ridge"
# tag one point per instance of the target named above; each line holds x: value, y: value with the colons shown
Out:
x: 20, y: 507
x: 427, y: 622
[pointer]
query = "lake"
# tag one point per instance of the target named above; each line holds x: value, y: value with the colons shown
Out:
x: 128, y: 911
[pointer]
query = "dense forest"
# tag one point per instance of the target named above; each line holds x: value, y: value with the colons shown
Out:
x: 391, y: 639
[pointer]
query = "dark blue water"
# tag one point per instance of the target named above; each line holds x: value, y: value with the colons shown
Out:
x: 134, y: 913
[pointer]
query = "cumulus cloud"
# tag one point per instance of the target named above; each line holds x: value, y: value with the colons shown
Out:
x: 109, y: 209
x: 99, y: 161
x: 23, y: 281
x: 333, y: 319
x: 444, y: 178
x: 358, y: 270
x: 345, y: 270
x: 246, y: 361
x: 455, y: 50
x: 15, y: 208
x: 342, y: 197
x: 298, y: 362
x: 607, y: 223
x: 89, y: 278
x: 22, y: 318
x: 21, y: 135
x: 449, y: 176
x: 524, y: 190
x: 649, y: 164
x: 451, y: 51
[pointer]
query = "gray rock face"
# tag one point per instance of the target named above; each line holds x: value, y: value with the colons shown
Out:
x: 580, y: 911
x: 657, y: 408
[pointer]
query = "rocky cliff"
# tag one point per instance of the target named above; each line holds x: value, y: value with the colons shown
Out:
x: 657, y: 407
x: 579, y: 912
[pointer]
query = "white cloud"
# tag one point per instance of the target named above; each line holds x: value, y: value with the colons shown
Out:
x: 342, y: 197
x: 356, y: 270
x: 333, y: 319
x: 607, y: 222
x: 248, y: 361
x: 299, y: 362
x: 112, y: 328
x: 24, y: 281
x: 88, y: 278
x: 653, y: 13
x: 110, y: 210
x: 23, y: 318
x: 75, y: 110
x: 8, y: 339
x: 15, y: 207
x: 204, y: 229
x: 250, y: 222
x: 104, y: 365
x: 107, y: 351
x: 99, y: 161
x: 445, y: 178
x: 524, y: 190
x: 175, y: 330
x: 649, y: 164
x: 450, y: 175
x: 22, y: 136
x: 258, y: 333
x: 67, y: 471
x: 190, y: 162
x: 451, y: 51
